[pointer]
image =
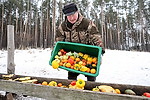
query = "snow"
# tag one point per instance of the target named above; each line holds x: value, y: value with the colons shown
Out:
x: 121, y: 67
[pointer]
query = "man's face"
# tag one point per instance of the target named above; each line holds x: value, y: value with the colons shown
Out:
x: 73, y: 18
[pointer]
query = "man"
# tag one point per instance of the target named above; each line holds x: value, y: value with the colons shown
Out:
x: 78, y: 29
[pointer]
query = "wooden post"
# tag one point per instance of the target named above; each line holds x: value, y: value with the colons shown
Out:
x: 10, y: 49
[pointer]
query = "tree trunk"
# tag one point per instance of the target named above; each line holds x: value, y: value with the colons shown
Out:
x: 29, y: 33
x: 41, y: 28
x: 36, y: 30
x: 54, y: 23
x: 118, y: 32
x: 2, y: 32
x: 111, y: 37
x: 16, y: 31
x: 47, y: 24
x: 61, y: 14
x: 102, y: 21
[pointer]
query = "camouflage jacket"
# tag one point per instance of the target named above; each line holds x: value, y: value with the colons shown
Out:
x: 83, y: 31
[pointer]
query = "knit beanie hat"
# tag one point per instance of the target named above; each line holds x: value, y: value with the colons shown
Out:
x: 70, y: 9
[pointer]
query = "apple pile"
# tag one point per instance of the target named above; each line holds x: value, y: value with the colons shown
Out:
x: 76, y: 61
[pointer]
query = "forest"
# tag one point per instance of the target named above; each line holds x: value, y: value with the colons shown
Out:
x: 123, y: 24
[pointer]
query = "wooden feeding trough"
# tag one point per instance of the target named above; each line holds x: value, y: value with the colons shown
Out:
x: 61, y: 93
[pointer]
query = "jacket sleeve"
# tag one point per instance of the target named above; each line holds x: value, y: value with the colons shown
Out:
x: 59, y: 34
x: 95, y: 37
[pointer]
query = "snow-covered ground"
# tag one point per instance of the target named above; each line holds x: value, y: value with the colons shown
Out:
x: 123, y: 67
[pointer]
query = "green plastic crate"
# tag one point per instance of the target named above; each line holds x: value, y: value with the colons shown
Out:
x: 91, y: 50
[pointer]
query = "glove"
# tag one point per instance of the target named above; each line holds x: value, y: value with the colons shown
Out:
x: 103, y: 51
x: 100, y: 43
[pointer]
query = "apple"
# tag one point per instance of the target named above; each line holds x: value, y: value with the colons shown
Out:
x: 59, y: 53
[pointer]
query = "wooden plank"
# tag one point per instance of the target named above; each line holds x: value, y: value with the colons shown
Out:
x: 10, y: 49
